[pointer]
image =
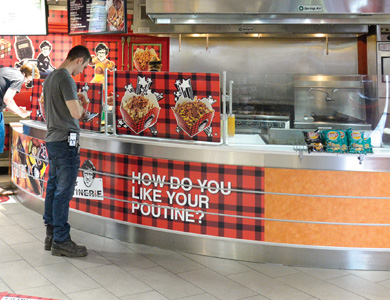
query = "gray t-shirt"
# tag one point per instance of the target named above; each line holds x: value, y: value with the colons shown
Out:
x: 58, y: 88
x: 9, y: 78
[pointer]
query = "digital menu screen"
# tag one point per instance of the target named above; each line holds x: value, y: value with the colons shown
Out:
x: 97, y: 16
x: 23, y: 17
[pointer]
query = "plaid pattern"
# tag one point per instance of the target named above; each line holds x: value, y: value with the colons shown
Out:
x: 203, y: 85
x: 58, y: 16
x: 148, y: 120
x: 207, y: 219
x: 4, y: 295
x: 61, y: 45
x: 95, y: 96
x: 193, y: 210
x: 156, y: 47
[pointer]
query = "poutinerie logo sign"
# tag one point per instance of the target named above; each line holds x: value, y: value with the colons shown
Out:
x: 309, y: 8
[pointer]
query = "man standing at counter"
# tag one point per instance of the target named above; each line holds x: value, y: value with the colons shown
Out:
x: 11, y: 82
x: 63, y: 111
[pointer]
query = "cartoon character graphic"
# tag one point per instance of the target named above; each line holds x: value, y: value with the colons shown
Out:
x: 36, y: 163
x: 88, y: 170
x: 101, y: 63
x: 43, y: 60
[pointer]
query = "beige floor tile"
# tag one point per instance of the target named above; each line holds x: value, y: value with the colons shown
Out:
x: 271, y: 270
x: 47, y: 291
x: 5, y: 288
x: 145, y: 296
x: 13, y: 208
x: 117, y: 281
x: 35, y: 254
x: 67, y: 277
x: 93, y: 259
x: 258, y: 298
x: 7, y: 253
x: 318, y: 288
x: 219, y: 265
x: 96, y: 294
x: 38, y: 232
x: 15, y: 234
x: 360, y: 286
x: 171, y: 260
x: 28, y: 220
x: 374, y: 276
x: 5, y: 220
x: 128, y: 260
x: 323, y: 273
x: 20, y: 275
x: 217, y: 285
x: 167, y: 283
x: 201, y: 297
x: 269, y: 287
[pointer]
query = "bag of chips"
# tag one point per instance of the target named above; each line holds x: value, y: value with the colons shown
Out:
x: 343, y: 141
x: 313, y: 141
x: 332, y: 140
x: 355, y: 141
x: 368, y: 146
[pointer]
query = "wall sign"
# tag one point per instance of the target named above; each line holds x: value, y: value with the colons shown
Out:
x: 97, y: 16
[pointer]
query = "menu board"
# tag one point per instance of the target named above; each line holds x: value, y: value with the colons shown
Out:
x: 97, y: 16
x: 23, y: 17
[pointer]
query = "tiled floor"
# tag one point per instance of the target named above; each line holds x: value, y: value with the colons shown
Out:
x: 117, y: 270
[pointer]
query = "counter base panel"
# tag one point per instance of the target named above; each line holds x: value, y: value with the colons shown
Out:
x: 285, y: 254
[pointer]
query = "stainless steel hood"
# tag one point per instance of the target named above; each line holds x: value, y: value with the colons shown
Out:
x: 259, y: 16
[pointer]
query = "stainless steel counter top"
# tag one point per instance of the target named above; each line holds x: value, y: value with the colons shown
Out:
x: 250, y: 153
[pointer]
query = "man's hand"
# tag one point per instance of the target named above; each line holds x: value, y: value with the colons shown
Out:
x: 23, y: 112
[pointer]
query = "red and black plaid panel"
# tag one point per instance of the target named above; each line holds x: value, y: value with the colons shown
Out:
x: 204, y: 204
x: 36, y: 112
x: 58, y: 16
x: 95, y: 96
x: 61, y: 44
x: 168, y: 87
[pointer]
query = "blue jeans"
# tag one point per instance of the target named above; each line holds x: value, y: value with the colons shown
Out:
x: 64, y: 162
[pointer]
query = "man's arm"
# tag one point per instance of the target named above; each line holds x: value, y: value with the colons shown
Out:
x: 75, y: 108
x: 12, y: 106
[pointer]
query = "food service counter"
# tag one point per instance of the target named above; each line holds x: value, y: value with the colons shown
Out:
x: 245, y: 202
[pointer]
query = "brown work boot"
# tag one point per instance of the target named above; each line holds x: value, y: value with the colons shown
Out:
x: 68, y: 248
x: 49, y: 237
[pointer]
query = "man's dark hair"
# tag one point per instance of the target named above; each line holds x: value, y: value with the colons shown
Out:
x: 101, y: 46
x: 79, y: 51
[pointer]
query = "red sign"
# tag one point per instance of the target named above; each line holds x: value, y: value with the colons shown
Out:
x: 8, y: 296
x: 168, y: 105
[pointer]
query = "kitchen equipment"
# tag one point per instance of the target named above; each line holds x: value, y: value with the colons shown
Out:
x: 247, y: 124
x: 330, y: 101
